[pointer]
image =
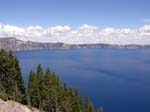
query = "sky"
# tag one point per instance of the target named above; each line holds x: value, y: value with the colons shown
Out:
x: 77, y: 21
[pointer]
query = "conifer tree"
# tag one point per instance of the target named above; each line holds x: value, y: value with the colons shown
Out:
x: 20, y: 83
x: 50, y: 100
x: 88, y: 107
x: 77, y: 102
x: 31, y: 87
x: 11, y: 78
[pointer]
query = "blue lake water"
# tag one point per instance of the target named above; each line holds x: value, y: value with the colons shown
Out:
x: 117, y: 79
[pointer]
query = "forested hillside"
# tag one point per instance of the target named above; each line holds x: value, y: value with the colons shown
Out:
x: 45, y: 90
x: 11, y: 81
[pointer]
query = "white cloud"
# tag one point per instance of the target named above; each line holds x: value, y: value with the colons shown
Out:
x: 87, y: 28
x: 8, y: 30
x: 83, y: 34
x: 145, y: 30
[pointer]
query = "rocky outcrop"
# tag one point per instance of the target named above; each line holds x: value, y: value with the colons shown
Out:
x: 11, y: 106
x: 17, y: 45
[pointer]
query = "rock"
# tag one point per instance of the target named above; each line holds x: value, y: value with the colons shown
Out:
x: 12, y: 106
x: 14, y: 44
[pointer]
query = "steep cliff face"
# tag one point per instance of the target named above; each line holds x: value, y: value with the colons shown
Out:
x: 17, y: 45
x: 11, y: 106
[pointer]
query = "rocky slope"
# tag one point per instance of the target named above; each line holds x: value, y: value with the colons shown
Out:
x: 11, y: 106
x: 17, y: 45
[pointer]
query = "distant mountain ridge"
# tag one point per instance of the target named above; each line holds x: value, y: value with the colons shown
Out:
x: 11, y: 43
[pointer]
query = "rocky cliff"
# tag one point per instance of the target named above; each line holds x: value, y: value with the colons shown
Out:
x: 11, y: 106
x: 14, y: 44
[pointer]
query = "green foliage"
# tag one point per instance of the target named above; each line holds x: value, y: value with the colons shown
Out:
x: 88, y: 107
x: 11, y: 81
x: 47, y: 93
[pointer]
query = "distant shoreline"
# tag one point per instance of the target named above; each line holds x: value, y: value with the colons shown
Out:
x: 14, y: 44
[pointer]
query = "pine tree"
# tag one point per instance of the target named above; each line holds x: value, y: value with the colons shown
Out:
x: 11, y: 78
x: 88, y: 107
x: 77, y: 102
x: 40, y: 85
x: 50, y: 100
x: 20, y: 83
x: 31, y: 87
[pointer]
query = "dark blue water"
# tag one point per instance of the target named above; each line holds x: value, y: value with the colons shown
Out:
x: 117, y: 79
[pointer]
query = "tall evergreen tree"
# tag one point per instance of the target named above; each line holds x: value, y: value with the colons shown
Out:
x: 31, y: 87
x: 77, y: 101
x: 50, y: 98
x: 88, y: 107
x: 20, y: 83
x: 11, y: 78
